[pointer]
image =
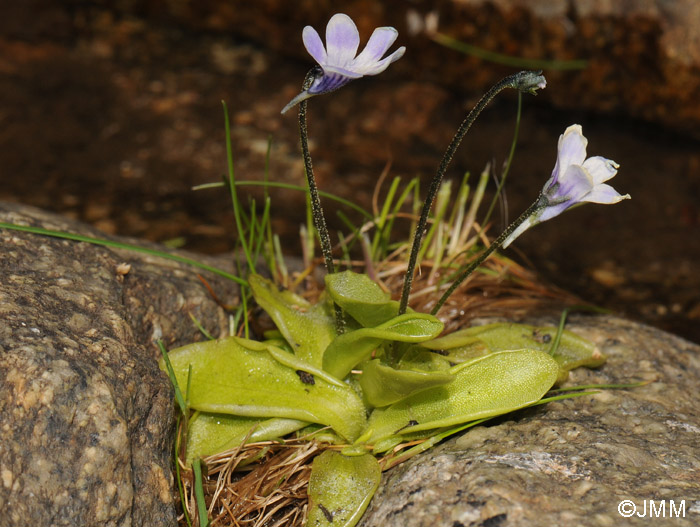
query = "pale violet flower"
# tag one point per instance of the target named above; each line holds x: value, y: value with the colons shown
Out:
x: 575, y: 179
x: 337, y: 59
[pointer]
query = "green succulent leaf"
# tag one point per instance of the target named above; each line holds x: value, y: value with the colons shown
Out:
x: 418, y: 358
x: 361, y: 298
x: 487, y: 386
x: 340, y: 488
x: 288, y: 359
x: 353, y: 347
x: 383, y: 385
x: 210, y: 434
x: 308, y: 328
x: 246, y: 380
x: 573, y: 351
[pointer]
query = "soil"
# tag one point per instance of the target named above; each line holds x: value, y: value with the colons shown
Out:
x: 112, y: 118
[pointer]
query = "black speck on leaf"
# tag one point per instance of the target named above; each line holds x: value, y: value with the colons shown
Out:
x: 306, y: 377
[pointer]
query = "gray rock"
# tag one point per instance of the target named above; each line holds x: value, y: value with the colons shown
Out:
x: 570, y: 462
x: 87, y: 416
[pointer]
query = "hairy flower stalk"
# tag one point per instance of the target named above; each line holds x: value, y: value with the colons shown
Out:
x: 337, y: 65
x: 574, y: 180
x: 316, y: 209
x: 524, y: 81
x: 532, y: 209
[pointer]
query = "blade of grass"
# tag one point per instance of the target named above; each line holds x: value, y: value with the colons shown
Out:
x: 183, y: 404
x: 562, y: 322
x: 355, y: 232
x: 281, y: 266
x: 380, y: 237
x: 173, y: 380
x: 474, y: 206
x: 290, y: 186
x: 444, y: 433
x: 441, y: 203
x: 234, y: 195
x: 344, y: 249
x: 601, y: 387
x: 201, y: 328
x: 244, y: 305
x: 429, y: 443
x: 507, y: 60
x: 121, y: 245
x: 392, y: 217
x: 178, y: 476
x: 509, y: 162
x: 263, y: 227
x: 199, y: 493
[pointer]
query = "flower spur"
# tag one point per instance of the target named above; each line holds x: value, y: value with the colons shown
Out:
x: 337, y: 60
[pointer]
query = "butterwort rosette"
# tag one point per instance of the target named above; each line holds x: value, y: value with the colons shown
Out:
x: 338, y: 61
x: 575, y: 179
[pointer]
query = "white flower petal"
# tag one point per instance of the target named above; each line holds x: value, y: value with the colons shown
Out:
x: 342, y: 40
x: 604, y: 194
x: 600, y: 169
x: 313, y: 44
x: 571, y: 149
x: 381, y: 40
x: 378, y: 67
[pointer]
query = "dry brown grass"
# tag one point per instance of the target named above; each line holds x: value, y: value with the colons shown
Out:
x: 255, y: 485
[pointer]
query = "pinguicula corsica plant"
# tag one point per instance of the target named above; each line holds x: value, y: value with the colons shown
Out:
x: 360, y: 375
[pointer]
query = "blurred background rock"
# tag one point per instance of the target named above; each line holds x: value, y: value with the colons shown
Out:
x: 110, y: 112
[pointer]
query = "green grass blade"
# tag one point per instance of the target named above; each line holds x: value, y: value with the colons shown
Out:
x: 280, y: 265
x: 429, y: 443
x: 263, y: 228
x: 199, y: 494
x: 446, y: 432
x: 244, y: 298
x: 171, y: 374
x: 290, y: 186
x: 441, y: 203
x: 178, y: 477
x: 601, y: 387
x: 474, y: 206
x: 121, y: 245
x: 397, y: 208
x: 513, y: 143
x: 508, y: 60
x: 457, y: 216
x: 201, y: 328
x: 234, y: 194
x: 381, y: 236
